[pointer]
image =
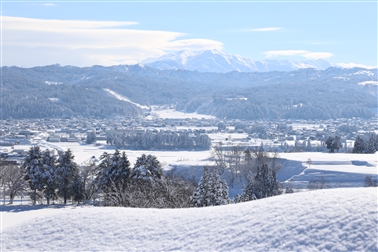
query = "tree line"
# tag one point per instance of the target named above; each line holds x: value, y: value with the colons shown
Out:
x: 160, y: 140
x: 366, y: 144
x: 55, y: 177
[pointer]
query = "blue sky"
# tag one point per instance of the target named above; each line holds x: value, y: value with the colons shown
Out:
x: 103, y: 33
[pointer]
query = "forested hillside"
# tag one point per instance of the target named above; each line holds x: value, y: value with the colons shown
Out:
x: 56, y: 91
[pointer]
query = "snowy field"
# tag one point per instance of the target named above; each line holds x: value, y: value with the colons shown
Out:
x: 174, y: 114
x: 337, y: 169
x: 324, y: 220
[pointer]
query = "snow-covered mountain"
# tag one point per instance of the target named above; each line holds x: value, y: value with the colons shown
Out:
x: 216, y: 61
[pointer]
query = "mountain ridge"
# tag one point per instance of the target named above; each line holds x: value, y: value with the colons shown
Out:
x: 220, y: 62
x: 56, y: 91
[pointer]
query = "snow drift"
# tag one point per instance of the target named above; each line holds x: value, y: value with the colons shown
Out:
x: 343, y: 219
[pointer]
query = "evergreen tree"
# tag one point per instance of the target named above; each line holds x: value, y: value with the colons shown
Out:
x: 333, y: 143
x: 370, y: 148
x: 211, y: 190
x: 263, y: 185
x: 238, y: 198
x: 78, y: 189
x: 337, y: 143
x: 34, y: 170
x: 248, y: 157
x: 91, y: 137
x: 67, y: 171
x: 250, y: 190
x: 359, y: 145
x: 308, y: 147
x: 49, y: 175
x: 114, y: 170
x: 147, y: 168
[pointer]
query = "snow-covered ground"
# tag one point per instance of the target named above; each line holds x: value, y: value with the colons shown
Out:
x: 337, y: 169
x: 174, y: 114
x: 123, y: 98
x: 329, y: 220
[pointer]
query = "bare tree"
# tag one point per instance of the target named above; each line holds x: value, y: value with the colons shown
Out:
x: 88, y: 173
x: 317, y: 183
x: 12, y: 180
x: 309, y: 162
x: 218, y: 154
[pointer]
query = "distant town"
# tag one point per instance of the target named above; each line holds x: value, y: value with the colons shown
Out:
x: 275, y: 135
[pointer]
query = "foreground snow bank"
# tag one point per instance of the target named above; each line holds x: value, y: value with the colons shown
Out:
x: 335, y: 219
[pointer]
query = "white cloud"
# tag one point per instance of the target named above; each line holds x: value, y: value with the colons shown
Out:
x: 194, y: 44
x: 353, y: 65
x: 266, y: 29
x: 54, y: 25
x: 284, y: 53
x: 303, y: 53
x: 29, y: 42
x: 49, y: 4
x: 317, y: 55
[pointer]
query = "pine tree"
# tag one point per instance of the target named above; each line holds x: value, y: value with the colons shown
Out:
x: 250, y: 190
x: 337, y: 143
x: 309, y: 147
x: 91, y: 137
x: 114, y: 170
x: 370, y: 148
x: 78, y: 190
x: 333, y: 143
x: 248, y: 157
x: 147, y: 168
x: 49, y: 175
x: 102, y: 181
x: 263, y: 185
x: 34, y: 170
x: 238, y: 198
x: 67, y: 171
x: 359, y: 145
x: 211, y: 190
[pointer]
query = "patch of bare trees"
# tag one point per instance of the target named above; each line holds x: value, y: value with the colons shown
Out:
x: 11, y: 180
x: 236, y: 162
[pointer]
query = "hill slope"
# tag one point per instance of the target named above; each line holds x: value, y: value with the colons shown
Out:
x: 56, y: 91
x: 333, y: 220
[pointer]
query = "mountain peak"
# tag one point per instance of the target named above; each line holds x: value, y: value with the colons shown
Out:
x: 217, y: 61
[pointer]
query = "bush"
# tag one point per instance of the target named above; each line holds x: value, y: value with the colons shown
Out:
x: 370, y: 182
x: 164, y: 193
x: 317, y: 183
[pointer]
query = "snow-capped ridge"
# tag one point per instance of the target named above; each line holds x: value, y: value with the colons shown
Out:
x: 217, y: 61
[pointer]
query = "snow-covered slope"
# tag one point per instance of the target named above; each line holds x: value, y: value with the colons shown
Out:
x: 329, y: 220
x: 123, y: 98
x: 216, y: 61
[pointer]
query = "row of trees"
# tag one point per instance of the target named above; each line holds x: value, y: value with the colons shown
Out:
x: 51, y: 176
x: 113, y: 182
x: 367, y: 146
x: 213, y: 191
x: 161, y: 140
